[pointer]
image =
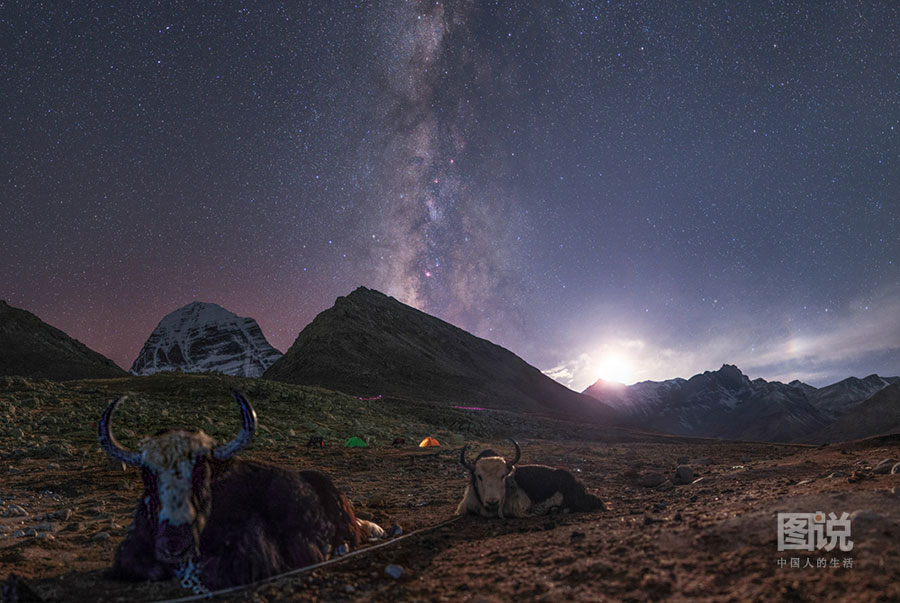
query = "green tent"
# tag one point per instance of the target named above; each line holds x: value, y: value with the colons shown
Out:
x: 355, y: 442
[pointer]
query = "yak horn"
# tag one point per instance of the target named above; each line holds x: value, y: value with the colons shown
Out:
x: 248, y: 428
x: 108, y: 441
x: 463, y: 461
x: 518, y: 453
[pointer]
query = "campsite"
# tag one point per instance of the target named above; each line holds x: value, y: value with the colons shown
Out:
x: 714, y: 539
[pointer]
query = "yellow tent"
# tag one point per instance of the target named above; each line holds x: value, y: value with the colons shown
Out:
x: 429, y: 441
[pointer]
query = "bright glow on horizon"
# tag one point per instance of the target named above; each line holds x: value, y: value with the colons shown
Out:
x: 615, y: 368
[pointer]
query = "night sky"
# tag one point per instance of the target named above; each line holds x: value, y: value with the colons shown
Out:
x: 641, y: 190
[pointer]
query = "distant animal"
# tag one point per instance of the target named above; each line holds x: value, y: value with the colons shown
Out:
x: 316, y: 442
x: 501, y: 488
x: 220, y: 521
x: 399, y: 442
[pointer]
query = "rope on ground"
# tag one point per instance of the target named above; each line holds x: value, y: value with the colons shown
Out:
x: 309, y: 568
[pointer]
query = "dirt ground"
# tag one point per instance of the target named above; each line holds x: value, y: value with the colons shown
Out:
x: 712, y: 540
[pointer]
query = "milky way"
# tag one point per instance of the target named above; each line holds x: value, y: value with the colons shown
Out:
x: 665, y: 186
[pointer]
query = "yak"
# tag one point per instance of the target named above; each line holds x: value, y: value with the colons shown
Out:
x: 501, y: 488
x: 218, y: 521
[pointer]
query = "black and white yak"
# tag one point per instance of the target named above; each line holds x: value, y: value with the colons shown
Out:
x: 221, y: 521
x: 501, y: 488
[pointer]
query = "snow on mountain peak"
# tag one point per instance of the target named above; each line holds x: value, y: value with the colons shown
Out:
x: 205, y: 337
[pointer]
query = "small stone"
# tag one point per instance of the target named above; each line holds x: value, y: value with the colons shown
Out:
x: 896, y: 468
x: 865, y: 515
x: 62, y: 514
x: 16, y: 511
x: 884, y: 466
x: 349, y: 589
x: 100, y: 537
x: 30, y: 532
x: 45, y: 536
x: 394, y: 571
x: 44, y: 527
x: 395, y: 530
x: 806, y: 481
x: 52, y: 466
x: 651, y: 479
x: 684, y: 475
x: 835, y: 474
x: 18, y: 534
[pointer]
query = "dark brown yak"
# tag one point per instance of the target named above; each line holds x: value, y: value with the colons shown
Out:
x: 218, y: 521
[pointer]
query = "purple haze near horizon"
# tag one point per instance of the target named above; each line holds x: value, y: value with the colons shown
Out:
x: 665, y: 187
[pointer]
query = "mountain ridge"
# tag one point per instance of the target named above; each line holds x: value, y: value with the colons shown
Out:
x: 368, y: 344
x: 727, y: 404
x: 30, y: 347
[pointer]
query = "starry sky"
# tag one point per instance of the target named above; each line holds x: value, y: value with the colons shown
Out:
x: 659, y: 186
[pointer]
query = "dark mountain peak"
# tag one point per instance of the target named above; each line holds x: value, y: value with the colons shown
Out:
x: 368, y: 343
x: 31, y: 348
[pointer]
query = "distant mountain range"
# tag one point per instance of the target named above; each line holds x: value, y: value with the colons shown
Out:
x: 370, y: 344
x: 31, y: 348
x: 727, y: 404
x: 203, y: 337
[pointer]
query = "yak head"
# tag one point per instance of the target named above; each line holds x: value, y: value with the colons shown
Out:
x: 488, y: 476
x: 176, y: 469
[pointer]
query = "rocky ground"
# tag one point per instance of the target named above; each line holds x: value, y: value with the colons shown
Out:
x: 64, y: 508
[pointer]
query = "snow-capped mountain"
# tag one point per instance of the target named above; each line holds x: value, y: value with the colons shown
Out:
x: 204, y: 337
x: 839, y: 398
x: 727, y: 404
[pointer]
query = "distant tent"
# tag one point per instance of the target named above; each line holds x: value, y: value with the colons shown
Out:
x: 429, y: 441
x: 355, y: 442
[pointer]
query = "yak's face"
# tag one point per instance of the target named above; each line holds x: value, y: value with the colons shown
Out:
x: 490, y: 475
x: 176, y: 474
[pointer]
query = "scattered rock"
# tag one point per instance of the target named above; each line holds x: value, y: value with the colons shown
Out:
x: 394, y: 571
x: 62, y: 514
x: 683, y: 475
x: 835, y: 474
x: 349, y: 589
x: 805, y: 481
x: 18, y: 533
x: 856, y: 477
x: 884, y: 466
x: 100, y: 537
x: 52, y: 466
x: 15, y: 511
x: 30, y: 532
x: 865, y: 515
x: 651, y: 479
x: 45, y: 536
x: 896, y: 468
